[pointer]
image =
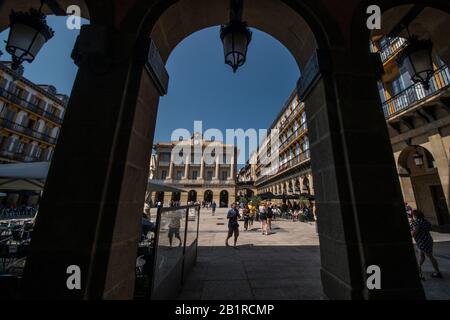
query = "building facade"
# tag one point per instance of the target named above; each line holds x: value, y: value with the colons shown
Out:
x: 418, y: 120
x: 200, y: 178
x: 246, y: 177
x: 30, y: 118
x: 283, y: 164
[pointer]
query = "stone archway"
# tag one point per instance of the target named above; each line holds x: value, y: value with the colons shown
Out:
x: 421, y: 184
x: 192, y: 196
x: 340, y: 80
x: 208, y: 196
x: 223, y: 201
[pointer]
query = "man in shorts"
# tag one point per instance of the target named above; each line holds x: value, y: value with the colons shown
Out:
x: 233, y: 225
x: 174, y: 229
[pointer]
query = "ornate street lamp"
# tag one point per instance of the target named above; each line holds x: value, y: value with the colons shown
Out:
x: 418, y: 159
x: 28, y: 33
x: 418, y: 60
x: 235, y: 36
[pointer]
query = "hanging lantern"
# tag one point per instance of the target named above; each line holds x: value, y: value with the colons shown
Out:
x: 417, y: 59
x: 236, y: 37
x: 418, y: 159
x: 28, y: 33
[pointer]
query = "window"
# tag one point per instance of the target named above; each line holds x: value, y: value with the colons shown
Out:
x: 224, y: 175
x: 194, y: 175
x: 164, y: 157
x: 381, y: 91
x: 3, y: 83
x: 179, y: 175
x: 209, y: 175
x: 163, y: 174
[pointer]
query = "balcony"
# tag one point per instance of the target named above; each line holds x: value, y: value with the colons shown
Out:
x: 11, y: 125
x: 196, y: 182
x: 17, y: 156
x: 291, y: 116
x: 14, y: 98
x: 392, y: 48
x: 415, y: 94
x: 296, y: 160
x: 302, y: 129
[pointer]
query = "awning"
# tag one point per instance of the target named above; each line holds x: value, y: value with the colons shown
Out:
x: 23, y: 176
x: 154, y: 186
x: 31, y: 176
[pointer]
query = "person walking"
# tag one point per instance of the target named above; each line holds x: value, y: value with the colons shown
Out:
x: 174, y: 228
x: 246, y: 215
x: 409, y: 211
x: 420, y: 230
x: 213, y: 206
x: 233, y: 225
x: 251, y: 213
x: 263, y: 217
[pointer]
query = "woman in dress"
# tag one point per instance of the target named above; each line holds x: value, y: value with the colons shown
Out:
x: 420, y: 231
x: 263, y: 217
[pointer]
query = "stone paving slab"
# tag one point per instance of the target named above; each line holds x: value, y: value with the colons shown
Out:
x: 282, y: 266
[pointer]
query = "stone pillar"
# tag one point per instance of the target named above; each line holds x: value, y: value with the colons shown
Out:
x: 408, y: 191
x: 232, y: 166
x: 293, y: 186
x: 186, y: 167
x: 103, y: 150
x: 439, y: 153
x: 311, y: 183
x: 202, y: 169
x: 354, y: 192
x: 171, y: 167
x: 217, y: 169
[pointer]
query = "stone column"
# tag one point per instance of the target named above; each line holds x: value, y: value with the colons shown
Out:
x: 103, y: 150
x: 293, y: 186
x: 232, y: 166
x: 217, y: 171
x: 355, y: 192
x: 186, y: 167
x: 439, y: 153
x: 171, y: 167
x: 202, y: 169
x: 311, y: 183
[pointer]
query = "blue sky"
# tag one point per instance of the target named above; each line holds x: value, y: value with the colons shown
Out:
x: 201, y: 86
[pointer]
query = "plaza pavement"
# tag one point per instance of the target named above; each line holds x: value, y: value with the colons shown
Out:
x: 282, y: 266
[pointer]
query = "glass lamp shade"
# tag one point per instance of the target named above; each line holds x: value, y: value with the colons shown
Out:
x: 417, y: 59
x: 418, y: 159
x: 28, y: 33
x: 235, y: 39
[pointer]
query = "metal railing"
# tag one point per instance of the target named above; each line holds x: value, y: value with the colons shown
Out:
x: 198, y: 182
x: 416, y: 93
x: 26, y: 131
x: 296, y: 160
x: 300, y: 130
x: 394, y: 46
x: 16, y: 99
x: 19, y: 156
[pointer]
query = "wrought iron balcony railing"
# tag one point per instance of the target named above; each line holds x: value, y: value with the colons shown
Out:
x: 392, y: 48
x: 300, y: 130
x: 182, y: 182
x: 16, y: 99
x: 296, y: 160
x: 19, y: 156
x: 416, y: 93
x: 26, y: 131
